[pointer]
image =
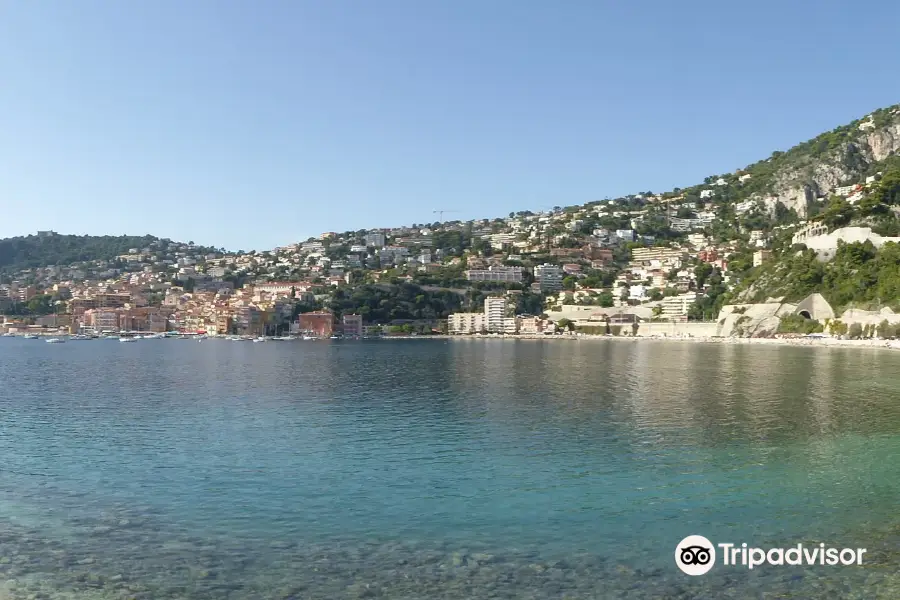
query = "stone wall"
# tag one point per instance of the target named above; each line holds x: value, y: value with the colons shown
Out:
x: 691, y: 329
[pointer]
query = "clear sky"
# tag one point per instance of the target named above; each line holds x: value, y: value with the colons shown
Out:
x: 255, y: 124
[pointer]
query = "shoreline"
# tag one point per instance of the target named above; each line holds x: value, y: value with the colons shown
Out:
x: 824, y: 342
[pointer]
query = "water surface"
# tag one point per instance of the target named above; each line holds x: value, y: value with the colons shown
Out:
x: 440, y: 469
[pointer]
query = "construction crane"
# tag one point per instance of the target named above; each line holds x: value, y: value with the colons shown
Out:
x: 440, y: 214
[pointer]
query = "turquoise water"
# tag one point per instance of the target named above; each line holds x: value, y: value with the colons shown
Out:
x: 440, y: 469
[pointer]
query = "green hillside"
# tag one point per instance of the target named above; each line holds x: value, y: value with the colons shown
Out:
x: 32, y: 251
x: 859, y: 275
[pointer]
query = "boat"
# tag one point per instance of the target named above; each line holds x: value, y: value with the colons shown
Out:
x: 125, y: 338
x: 80, y: 337
x: 260, y: 339
x: 56, y: 341
x: 30, y: 336
x: 9, y: 335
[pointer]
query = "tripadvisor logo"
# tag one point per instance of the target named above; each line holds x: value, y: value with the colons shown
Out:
x: 696, y: 555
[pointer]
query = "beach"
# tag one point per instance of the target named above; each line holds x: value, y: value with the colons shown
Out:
x: 829, y: 342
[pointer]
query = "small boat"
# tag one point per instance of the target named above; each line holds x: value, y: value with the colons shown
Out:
x: 80, y: 337
x: 260, y: 339
x: 30, y: 336
x: 127, y: 339
x: 56, y: 341
x: 9, y: 335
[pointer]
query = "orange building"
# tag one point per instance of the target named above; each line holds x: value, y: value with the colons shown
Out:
x: 320, y: 323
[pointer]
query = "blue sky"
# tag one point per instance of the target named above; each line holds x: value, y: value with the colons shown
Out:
x: 255, y: 124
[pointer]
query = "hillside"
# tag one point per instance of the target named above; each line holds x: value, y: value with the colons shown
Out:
x: 50, y: 249
x: 847, y: 176
x: 801, y: 177
x: 859, y: 275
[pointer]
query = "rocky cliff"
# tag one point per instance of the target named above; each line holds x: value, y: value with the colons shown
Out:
x: 841, y: 157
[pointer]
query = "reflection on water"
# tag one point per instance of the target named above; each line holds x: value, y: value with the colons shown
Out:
x: 439, y: 469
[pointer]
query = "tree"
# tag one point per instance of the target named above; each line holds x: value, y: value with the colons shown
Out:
x: 856, y: 331
x: 886, y: 330
x: 565, y: 324
x: 702, y: 272
x: 657, y: 312
x: 838, y: 213
x: 838, y: 328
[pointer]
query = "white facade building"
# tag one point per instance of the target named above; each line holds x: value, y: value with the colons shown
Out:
x: 495, y: 313
x: 676, y: 307
x: 462, y: 323
x: 502, y: 274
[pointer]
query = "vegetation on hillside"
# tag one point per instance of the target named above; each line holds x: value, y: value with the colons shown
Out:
x: 385, y: 303
x: 32, y: 251
x: 860, y: 275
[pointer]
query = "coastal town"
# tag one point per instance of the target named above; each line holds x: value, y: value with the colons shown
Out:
x: 803, y: 242
x: 645, y: 264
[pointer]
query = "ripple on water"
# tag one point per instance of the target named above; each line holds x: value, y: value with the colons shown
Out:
x: 424, y: 470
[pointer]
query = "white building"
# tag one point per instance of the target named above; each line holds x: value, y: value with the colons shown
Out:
x: 626, y: 235
x: 676, y: 307
x: 697, y: 240
x: 375, y: 239
x: 637, y: 292
x: 845, y: 190
x: 461, y: 323
x: 745, y: 206
x: 498, y: 240
x: 502, y: 274
x: 495, y: 313
x: 510, y: 326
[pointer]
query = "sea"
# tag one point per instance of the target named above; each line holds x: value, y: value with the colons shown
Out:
x: 442, y: 468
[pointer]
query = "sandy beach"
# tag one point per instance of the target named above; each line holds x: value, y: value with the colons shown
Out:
x: 823, y: 342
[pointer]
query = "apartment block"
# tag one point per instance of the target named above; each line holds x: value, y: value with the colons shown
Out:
x: 656, y: 254
x: 501, y: 274
x: 462, y: 323
x: 549, y: 277
x: 374, y: 239
x: 676, y: 307
x: 495, y: 313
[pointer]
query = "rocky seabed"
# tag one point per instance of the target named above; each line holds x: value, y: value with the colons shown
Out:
x: 132, y: 554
